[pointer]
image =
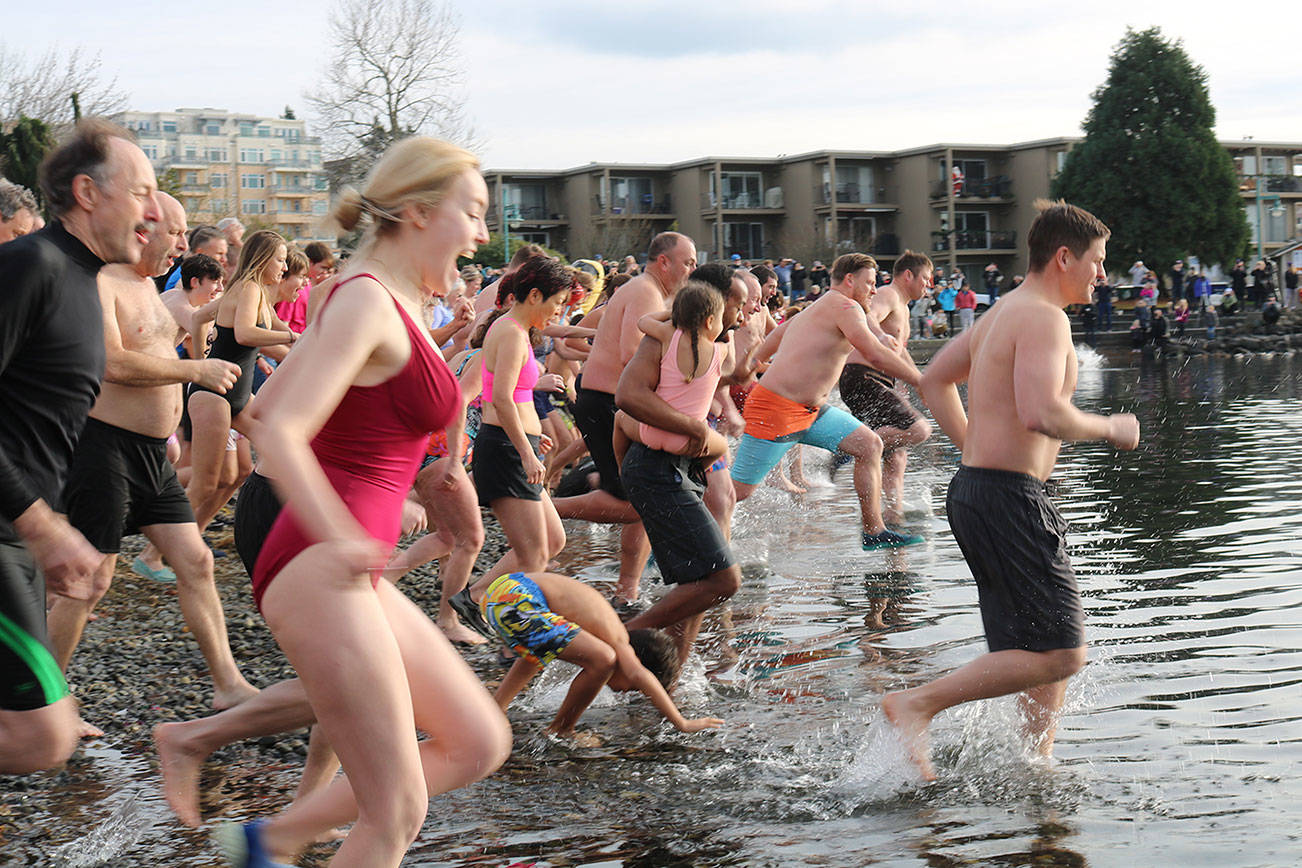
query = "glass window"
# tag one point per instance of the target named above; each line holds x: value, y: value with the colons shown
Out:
x: 253, y: 182
x: 212, y: 129
x: 631, y: 196
x: 854, y: 184
x: 318, y: 207
x: 742, y: 190
x: 254, y: 206
x: 169, y: 126
x: 246, y: 128
x: 1274, y: 165
x: 526, y: 201
x: 217, y: 179
x: 264, y: 132
x: 746, y: 239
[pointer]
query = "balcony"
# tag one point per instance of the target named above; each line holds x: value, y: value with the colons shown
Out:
x: 998, y: 187
x: 852, y: 194
x: 526, y: 214
x: 175, y: 162
x: 770, y: 201
x: 636, y: 206
x: 292, y: 165
x: 974, y: 240
x: 291, y: 190
x: 1270, y: 183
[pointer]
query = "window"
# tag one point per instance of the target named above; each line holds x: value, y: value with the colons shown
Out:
x: 973, y: 170
x: 264, y: 132
x: 246, y: 128
x: 212, y: 129
x: 217, y: 179
x: 254, y: 206
x: 169, y: 126
x: 1274, y: 165
x: 746, y: 239
x: 253, y: 182
x: 1273, y: 216
x: 191, y: 153
x: 1060, y: 158
x: 1246, y: 165
x: 251, y: 155
x: 741, y: 190
x: 191, y: 177
x: 854, y: 184
x: 217, y: 206
x: 216, y: 155
x: 321, y: 183
x: 972, y: 230
x: 855, y: 234
x: 526, y: 201
x: 276, y: 155
x: 318, y: 207
x: 151, y: 151
x: 541, y: 238
x: 631, y: 196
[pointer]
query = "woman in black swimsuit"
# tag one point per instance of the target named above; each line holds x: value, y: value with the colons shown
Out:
x: 238, y: 334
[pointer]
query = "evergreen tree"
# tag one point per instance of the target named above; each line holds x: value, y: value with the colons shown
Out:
x: 21, y: 152
x: 1150, y: 166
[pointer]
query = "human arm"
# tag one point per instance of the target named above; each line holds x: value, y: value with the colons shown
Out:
x: 880, y: 356
x: 939, y: 387
x: 67, y: 561
x: 641, y: 680
x: 569, y: 331
x: 657, y: 325
x: 126, y: 367
x: 1040, y: 360
x: 193, y: 321
x: 636, y: 396
x: 744, y: 369
x: 248, y: 305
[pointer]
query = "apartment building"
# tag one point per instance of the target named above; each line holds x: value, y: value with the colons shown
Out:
x: 265, y: 171
x: 965, y: 205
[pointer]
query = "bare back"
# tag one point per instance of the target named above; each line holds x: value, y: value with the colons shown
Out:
x: 146, y: 327
x: 1021, y: 335
x: 617, y: 333
x: 814, y: 349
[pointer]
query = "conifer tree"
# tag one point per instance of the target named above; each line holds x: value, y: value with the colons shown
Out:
x: 1150, y: 166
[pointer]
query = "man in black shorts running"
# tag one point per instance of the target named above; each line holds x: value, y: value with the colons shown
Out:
x: 1020, y: 366
x: 101, y: 190
x: 873, y: 396
x: 120, y: 480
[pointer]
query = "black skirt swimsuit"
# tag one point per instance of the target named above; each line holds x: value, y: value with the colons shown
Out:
x: 224, y: 346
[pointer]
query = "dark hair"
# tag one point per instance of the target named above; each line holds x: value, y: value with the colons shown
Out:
x: 912, y: 261
x: 662, y: 244
x: 848, y: 263
x: 201, y: 235
x: 541, y: 273
x: 318, y: 252
x: 693, y: 305
x: 763, y: 273
x: 296, y: 261
x: 1061, y: 225
x: 481, y: 331
x: 657, y: 652
x: 85, y: 153
x: 199, y: 265
x: 716, y: 275
x: 525, y: 253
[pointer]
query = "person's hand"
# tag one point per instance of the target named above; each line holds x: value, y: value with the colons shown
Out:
x: 64, y: 556
x: 696, y: 441
x: 550, y: 383
x: 1123, y: 431
x: 218, y: 375
x: 700, y: 723
x: 414, y: 519
x: 463, y: 311
x: 890, y: 342
x: 362, y: 555
x: 533, y: 469
x: 545, y: 444
x: 265, y: 367
x: 446, y: 474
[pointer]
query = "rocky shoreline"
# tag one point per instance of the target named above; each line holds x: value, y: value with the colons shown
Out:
x: 137, y: 667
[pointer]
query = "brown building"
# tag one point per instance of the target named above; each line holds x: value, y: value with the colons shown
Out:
x: 965, y: 205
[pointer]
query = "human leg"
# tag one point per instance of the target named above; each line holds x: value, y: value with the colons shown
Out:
x: 598, y: 662
x: 211, y: 417
x: 721, y: 499
x: 67, y: 617
x: 184, y: 548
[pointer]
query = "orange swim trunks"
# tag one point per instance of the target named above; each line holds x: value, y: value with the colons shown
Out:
x: 770, y: 416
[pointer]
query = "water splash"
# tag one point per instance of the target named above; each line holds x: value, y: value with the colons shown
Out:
x: 110, y: 838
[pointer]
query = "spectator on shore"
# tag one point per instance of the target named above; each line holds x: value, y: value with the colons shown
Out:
x: 1016, y: 282
x: 1200, y: 288
x: 947, y: 296
x: 818, y: 276
x: 1229, y: 303
x: 1291, y: 297
x: 1157, y: 328
x: 1261, y: 285
x: 1177, y: 276
x: 1270, y: 311
x: 1103, y: 302
x: 1239, y: 281
x: 799, y: 277
x: 783, y: 270
x: 1137, y: 272
x: 965, y: 301
x: 1088, y: 318
x: 1209, y: 321
x: 1180, y: 313
x: 992, y: 278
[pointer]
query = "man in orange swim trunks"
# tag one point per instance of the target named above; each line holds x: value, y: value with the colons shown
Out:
x: 790, y: 405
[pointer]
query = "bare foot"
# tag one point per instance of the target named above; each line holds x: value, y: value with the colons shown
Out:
x: 784, y: 484
x: 88, y: 730
x: 911, y: 725
x: 180, y: 769
x: 587, y: 738
x: 241, y: 691
x: 626, y: 592
x: 459, y: 633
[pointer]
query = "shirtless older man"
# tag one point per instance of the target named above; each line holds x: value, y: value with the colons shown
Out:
x: 1020, y: 367
x: 790, y: 405
x: 120, y: 479
x: 871, y: 395
x: 670, y: 259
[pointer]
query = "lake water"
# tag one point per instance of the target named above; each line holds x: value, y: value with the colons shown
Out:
x: 1180, y: 743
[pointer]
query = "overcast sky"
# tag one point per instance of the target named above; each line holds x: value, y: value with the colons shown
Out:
x: 559, y: 84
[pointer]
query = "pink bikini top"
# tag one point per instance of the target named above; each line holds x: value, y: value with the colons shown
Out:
x: 523, y: 392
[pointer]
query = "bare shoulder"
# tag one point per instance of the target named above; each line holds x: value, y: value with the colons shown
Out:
x: 355, y: 305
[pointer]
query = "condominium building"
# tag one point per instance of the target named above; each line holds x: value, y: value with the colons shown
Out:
x: 965, y: 205
x: 265, y: 171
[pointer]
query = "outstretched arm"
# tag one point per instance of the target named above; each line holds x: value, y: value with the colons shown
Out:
x: 939, y: 388
x: 880, y: 356
x: 650, y: 687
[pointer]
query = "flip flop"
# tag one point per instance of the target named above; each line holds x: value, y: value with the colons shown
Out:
x: 242, y: 845
x: 162, y: 574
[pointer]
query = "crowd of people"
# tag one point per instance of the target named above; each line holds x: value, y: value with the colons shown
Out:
x: 401, y: 392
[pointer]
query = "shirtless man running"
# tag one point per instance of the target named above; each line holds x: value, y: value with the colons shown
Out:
x: 1020, y: 367
x: 872, y: 396
x: 790, y: 405
x: 120, y: 479
x: 670, y: 259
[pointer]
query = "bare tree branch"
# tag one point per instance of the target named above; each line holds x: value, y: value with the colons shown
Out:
x: 42, y: 87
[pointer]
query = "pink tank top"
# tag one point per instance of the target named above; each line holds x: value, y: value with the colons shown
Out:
x: 523, y: 391
x: 691, y: 399
x: 371, y: 447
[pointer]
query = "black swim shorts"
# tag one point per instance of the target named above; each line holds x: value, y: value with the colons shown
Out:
x: 29, y: 676
x: 594, y: 415
x: 120, y: 481
x: 496, y: 467
x: 668, y: 493
x: 256, y: 509
x: 1015, y: 543
x: 871, y: 396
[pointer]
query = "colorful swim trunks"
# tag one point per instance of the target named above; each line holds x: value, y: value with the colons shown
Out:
x: 517, y: 609
x: 774, y: 424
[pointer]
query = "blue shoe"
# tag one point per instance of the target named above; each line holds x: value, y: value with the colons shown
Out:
x: 242, y: 845
x: 162, y: 574
x: 889, y: 539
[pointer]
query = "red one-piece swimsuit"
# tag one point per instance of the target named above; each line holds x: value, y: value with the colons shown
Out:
x: 371, y: 448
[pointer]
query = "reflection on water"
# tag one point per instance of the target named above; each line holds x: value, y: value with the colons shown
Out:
x: 1181, y: 738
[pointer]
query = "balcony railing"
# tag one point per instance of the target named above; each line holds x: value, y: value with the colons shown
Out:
x: 525, y: 214
x: 1270, y: 183
x: 970, y: 240
x: 852, y: 194
x: 998, y: 187
x: 736, y: 202
x: 292, y: 164
x: 639, y: 205
x: 292, y: 189
x: 886, y: 244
